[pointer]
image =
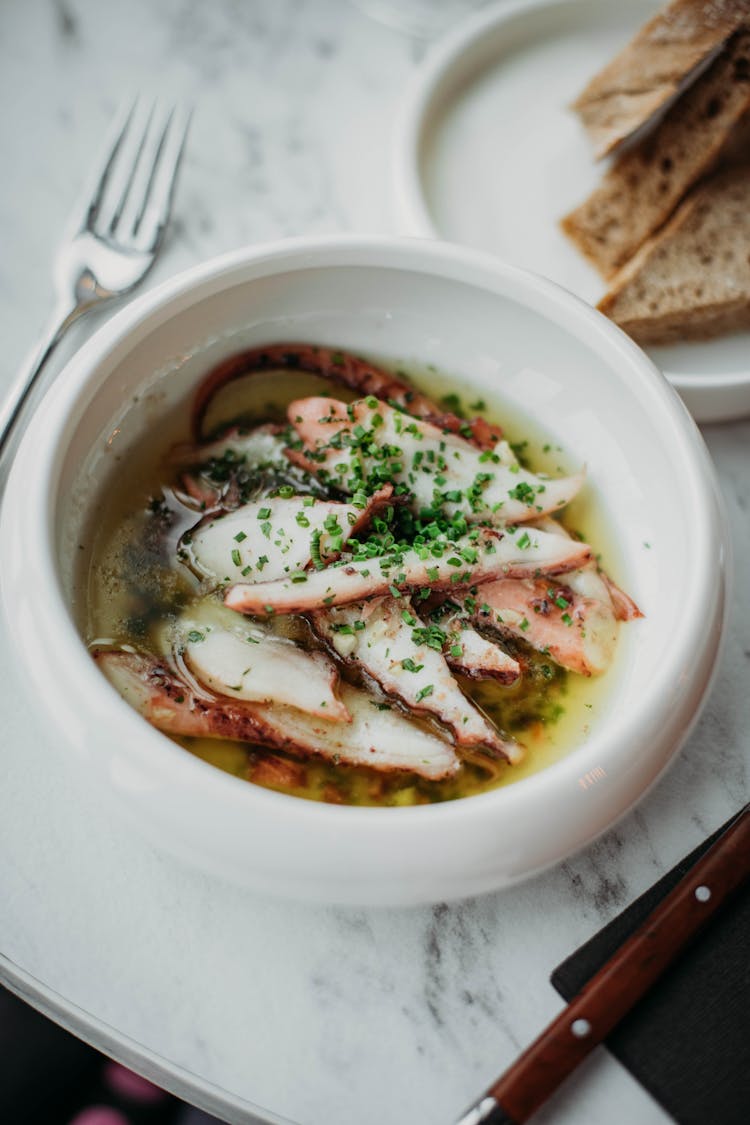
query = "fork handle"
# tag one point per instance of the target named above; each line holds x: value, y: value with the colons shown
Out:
x: 64, y: 314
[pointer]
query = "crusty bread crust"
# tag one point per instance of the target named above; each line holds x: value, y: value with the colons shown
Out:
x: 692, y: 279
x: 736, y: 149
x: 695, y: 325
x: 644, y: 185
x: 649, y: 71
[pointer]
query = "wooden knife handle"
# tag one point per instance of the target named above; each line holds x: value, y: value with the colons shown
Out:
x: 620, y: 983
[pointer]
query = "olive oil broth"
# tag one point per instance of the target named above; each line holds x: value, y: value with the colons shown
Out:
x: 130, y: 586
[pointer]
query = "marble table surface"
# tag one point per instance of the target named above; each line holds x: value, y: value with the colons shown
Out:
x: 257, y: 1009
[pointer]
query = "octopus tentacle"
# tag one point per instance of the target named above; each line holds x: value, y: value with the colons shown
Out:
x: 493, y: 555
x: 346, y: 443
x: 341, y: 367
x: 468, y: 652
x: 577, y: 632
x: 389, y: 641
x: 271, y: 538
x: 591, y: 581
x: 212, y: 470
x: 624, y: 607
x: 246, y: 661
x: 381, y: 739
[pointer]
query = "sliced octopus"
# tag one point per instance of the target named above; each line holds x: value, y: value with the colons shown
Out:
x: 574, y: 622
x: 378, y: 737
x: 578, y: 633
x: 466, y: 650
x: 387, y: 638
x: 216, y: 471
x: 270, y: 538
x: 412, y: 541
x: 256, y: 448
x: 341, y: 367
x: 348, y: 445
x: 480, y: 557
x: 590, y: 581
x: 243, y: 660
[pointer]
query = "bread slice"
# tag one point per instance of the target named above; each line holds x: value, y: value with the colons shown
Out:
x: 736, y: 148
x: 644, y: 185
x: 691, y: 281
x: 650, y: 70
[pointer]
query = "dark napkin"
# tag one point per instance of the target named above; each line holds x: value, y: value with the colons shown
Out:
x: 688, y: 1040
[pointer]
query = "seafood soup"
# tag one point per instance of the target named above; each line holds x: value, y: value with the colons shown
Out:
x: 347, y: 590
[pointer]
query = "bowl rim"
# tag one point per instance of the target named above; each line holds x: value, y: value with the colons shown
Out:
x: 423, y: 93
x: 92, y: 365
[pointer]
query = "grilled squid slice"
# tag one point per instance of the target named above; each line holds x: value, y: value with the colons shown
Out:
x: 341, y: 367
x: 386, y: 638
x: 381, y: 739
x: 486, y: 555
x: 270, y: 538
x: 347, y: 444
x: 244, y: 660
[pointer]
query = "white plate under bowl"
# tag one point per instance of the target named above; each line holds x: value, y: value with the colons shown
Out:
x: 495, y: 330
x: 488, y: 154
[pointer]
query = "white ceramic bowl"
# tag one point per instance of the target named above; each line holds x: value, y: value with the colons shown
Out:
x: 502, y: 330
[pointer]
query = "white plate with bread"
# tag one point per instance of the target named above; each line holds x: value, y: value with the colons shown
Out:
x: 523, y: 135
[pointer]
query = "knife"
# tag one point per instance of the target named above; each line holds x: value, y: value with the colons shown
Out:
x: 618, y: 985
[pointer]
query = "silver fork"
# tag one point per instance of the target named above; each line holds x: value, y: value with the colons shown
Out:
x: 114, y: 234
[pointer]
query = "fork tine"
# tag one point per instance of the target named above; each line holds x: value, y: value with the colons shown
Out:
x: 98, y: 263
x: 121, y: 171
x: 153, y: 216
x: 158, y: 149
x: 87, y: 208
x: 128, y: 171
